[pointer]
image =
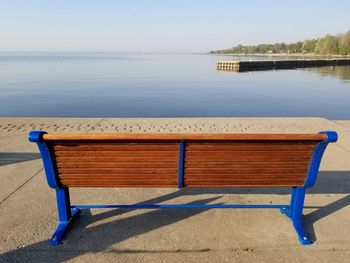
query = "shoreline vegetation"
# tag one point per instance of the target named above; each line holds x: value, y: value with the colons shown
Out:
x: 285, y: 55
x: 327, y: 46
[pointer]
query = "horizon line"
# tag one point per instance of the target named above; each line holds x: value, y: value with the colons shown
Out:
x: 109, y: 52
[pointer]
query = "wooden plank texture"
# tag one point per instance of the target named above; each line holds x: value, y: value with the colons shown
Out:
x: 247, y: 176
x: 117, y: 165
x: 116, y: 159
x: 247, y: 163
x: 305, y: 153
x: 174, y: 136
x: 118, y: 170
x: 116, y: 153
x: 116, y: 147
x: 245, y: 170
x: 119, y: 183
x: 84, y: 176
x: 243, y: 182
x: 211, y: 160
x: 237, y: 164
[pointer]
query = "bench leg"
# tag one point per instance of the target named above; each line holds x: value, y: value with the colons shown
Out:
x: 65, y: 215
x: 288, y: 210
x: 295, y: 213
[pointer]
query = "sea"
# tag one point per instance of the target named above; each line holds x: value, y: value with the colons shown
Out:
x: 164, y: 85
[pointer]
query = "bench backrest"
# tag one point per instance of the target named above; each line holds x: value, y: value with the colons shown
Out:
x: 181, y: 160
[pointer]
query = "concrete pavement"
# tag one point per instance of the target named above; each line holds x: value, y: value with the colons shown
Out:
x: 28, y: 211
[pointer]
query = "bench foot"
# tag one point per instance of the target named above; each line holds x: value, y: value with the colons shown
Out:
x: 303, y: 236
x: 294, y: 213
x: 62, y: 228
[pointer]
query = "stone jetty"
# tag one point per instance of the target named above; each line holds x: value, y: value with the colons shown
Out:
x: 255, y: 65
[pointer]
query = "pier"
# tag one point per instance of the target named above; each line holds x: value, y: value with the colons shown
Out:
x: 242, y: 66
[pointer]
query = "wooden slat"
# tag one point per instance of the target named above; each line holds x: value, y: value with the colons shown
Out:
x: 165, y: 136
x: 116, y: 153
x: 118, y: 165
x: 246, y: 176
x: 190, y: 159
x: 250, y: 147
x: 242, y: 170
x: 235, y: 164
x: 115, y: 159
x: 113, y: 142
x: 120, y: 182
x: 210, y: 143
x: 300, y: 153
x: 108, y: 184
x: 245, y: 182
x: 246, y: 158
x: 116, y: 176
x: 117, y: 170
x: 132, y: 147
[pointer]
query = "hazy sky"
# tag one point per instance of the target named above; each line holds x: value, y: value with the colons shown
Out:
x: 163, y: 25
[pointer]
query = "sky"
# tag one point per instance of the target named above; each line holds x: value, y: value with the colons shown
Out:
x: 163, y: 25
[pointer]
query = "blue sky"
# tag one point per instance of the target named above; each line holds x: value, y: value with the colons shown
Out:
x: 163, y: 25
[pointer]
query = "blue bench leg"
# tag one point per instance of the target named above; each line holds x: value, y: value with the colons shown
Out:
x: 287, y: 211
x: 65, y: 215
x: 295, y: 213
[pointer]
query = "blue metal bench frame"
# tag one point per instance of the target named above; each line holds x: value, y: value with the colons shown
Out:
x: 67, y: 212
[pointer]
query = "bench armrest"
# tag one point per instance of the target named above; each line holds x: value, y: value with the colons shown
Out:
x: 317, y: 157
x: 37, y: 137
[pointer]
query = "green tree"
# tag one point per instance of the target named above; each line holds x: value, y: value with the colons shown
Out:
x: 294, y: 47
x: 309, y: 46
x: 263, y: 48
x: 344, y: 44
x: 327, y: 45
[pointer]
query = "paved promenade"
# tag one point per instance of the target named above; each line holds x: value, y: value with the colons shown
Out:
x: 28, y: 211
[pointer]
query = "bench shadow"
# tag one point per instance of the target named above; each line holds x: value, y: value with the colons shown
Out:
x: 7, y: 158
x: 322, y: 212
x: 89, y: 235
x: 83, y: 238
x: 328, y: 182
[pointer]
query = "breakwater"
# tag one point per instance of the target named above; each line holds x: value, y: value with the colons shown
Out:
x: 241, y: 66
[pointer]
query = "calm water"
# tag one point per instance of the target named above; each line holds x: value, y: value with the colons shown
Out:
x: 136, y: 85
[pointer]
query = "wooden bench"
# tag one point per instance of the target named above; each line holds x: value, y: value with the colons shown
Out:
x: 181, y: 160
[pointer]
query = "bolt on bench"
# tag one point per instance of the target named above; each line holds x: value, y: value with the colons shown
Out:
x: 181, y: 160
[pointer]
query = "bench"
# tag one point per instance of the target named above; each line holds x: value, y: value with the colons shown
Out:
x: 181, y: 160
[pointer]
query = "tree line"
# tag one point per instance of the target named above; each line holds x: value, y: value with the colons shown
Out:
x: 327, y: 45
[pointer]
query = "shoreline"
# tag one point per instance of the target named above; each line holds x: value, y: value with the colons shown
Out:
x: 282, y: 55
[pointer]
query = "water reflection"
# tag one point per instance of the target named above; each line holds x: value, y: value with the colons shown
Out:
x: 147, y: 85
x: 341, y: 72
